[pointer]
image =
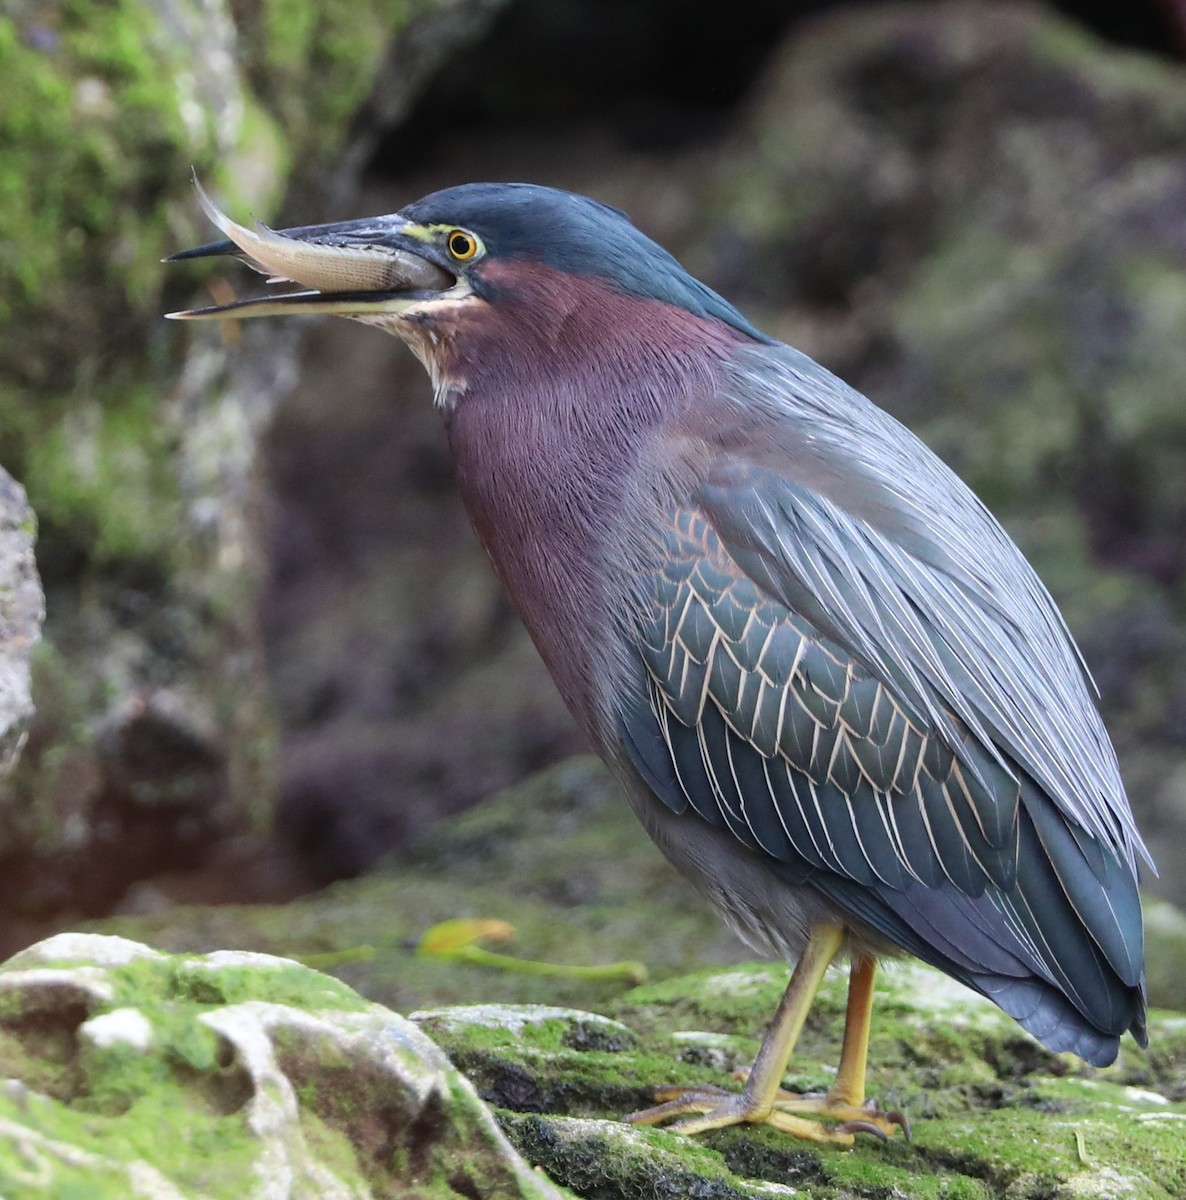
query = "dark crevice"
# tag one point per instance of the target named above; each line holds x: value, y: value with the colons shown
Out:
x: 661, y: 74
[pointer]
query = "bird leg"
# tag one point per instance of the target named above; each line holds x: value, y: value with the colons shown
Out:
x: 756, y: 1103
x: 845, y: 1099
x: 762, y: 1101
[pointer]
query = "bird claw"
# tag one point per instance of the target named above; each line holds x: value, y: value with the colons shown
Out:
x: 902, y: 1121
x: 863, y: 1127
x: 863, y: 1118
x: 710, y: 1107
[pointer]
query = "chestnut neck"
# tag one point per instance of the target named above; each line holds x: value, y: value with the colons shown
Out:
x: 563, y: 383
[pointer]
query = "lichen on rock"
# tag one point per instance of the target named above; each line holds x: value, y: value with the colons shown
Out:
x: 22, y: 609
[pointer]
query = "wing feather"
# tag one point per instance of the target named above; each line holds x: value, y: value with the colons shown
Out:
x: 843, y: 516
x: 770, y: 686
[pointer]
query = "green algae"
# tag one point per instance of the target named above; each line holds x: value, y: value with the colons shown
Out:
x: 601, y: 1162
x: 994, y: 1114
x: 100, y: 128
x: 122, y: 1108
x: 340, y: 44
x: 1042, y: 1136
x: 177, y: 1103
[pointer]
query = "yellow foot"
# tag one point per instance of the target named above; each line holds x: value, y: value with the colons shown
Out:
x: 715, y: 1108
x: 862, y: 1118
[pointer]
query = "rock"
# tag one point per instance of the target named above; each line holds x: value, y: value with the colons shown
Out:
x: 993, y: 1113
x: 134, y: 1073
x: 560, y: 1059
x: 154, y: 738
x: 22, y: 609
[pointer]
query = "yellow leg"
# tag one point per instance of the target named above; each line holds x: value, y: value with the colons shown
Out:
x: 845, y: 1100
x: 849, y: 1086
x: 762, y: 1101
x: 756, y: 1102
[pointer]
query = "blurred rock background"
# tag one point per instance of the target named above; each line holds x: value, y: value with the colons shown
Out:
x: 274, y: 654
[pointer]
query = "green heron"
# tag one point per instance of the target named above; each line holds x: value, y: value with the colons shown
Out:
x: 843, y: 704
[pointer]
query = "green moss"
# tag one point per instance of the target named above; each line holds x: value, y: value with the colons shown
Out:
x: 554, y: 1066
x: 603, y: 1162
x: 98, y: 133
x: 102, y: 475
x: 203, y: 1153
x: 180, y: 1104
x: 338, y: 44
x: 102, y: 117
x: 994, y: 1114
x: 984, y: 1098
x: 39, y: 1063
x: 162, y: 983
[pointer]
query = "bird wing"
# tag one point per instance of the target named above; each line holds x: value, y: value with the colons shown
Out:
x: 847, y: 666
x: 841, y: 514
x: 846, y: 776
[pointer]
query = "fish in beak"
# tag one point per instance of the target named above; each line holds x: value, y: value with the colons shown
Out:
x: 373, y: 269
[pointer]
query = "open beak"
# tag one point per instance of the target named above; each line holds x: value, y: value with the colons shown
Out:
x: 372, y: 267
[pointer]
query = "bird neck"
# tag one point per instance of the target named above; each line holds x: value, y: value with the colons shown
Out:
x: 564, y: 397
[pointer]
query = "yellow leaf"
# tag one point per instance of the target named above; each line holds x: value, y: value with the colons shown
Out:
x: 449, y: 937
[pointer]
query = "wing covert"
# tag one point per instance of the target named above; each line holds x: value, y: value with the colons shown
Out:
x: 779, y: 735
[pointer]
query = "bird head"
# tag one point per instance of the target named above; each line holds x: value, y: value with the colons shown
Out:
x: 459, y: 260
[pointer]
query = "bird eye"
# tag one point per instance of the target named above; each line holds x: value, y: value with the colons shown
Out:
x: 463, y: 246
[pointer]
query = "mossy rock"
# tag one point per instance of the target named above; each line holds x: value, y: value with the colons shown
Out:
x: 133, y: 1073
x: 136, y: 441
x: 562, y: 1058
x: 993, y: 1113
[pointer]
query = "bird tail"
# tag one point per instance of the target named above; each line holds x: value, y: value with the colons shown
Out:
x: 1061, y: 951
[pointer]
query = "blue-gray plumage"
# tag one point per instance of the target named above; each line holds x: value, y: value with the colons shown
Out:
x: 843, y: 703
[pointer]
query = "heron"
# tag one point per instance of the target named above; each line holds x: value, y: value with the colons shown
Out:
x: 841, y: 701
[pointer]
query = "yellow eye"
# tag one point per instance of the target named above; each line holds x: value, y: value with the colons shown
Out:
x: 463, y: 246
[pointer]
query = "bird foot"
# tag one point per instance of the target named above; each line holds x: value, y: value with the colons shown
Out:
x: 709, y: 1107
x: 859, y: 1118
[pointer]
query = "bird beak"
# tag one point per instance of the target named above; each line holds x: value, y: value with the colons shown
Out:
x: 381, y: 266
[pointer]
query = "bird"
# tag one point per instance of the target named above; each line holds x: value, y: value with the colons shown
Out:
x: 841, y: 701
